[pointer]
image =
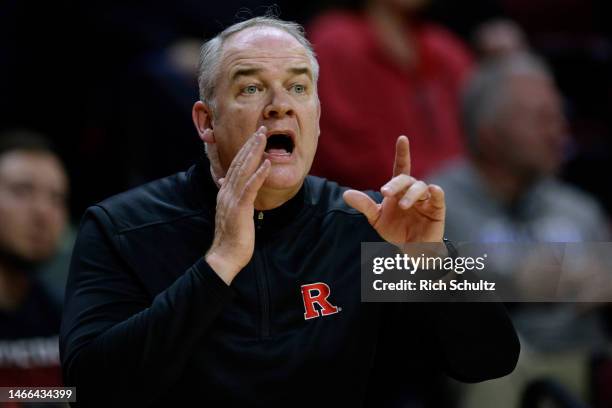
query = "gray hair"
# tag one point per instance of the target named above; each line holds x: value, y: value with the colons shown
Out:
x: 210, y: 54
x: 484, y: 94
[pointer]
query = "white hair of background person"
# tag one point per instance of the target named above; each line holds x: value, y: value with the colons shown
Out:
x: 486, y: 91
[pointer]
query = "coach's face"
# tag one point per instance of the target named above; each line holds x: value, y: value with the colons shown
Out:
x: 266, y: 78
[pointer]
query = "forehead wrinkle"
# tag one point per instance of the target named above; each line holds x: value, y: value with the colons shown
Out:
x: 232, y: 57
x: 252, y: 65
x: 261, y: 44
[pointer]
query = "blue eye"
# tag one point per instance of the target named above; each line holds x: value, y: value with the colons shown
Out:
x: 251, y: 89
x: 299, y: 88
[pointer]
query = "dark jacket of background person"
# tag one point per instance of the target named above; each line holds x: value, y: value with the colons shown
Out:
x: 148, y: 322
x: 369, y: 99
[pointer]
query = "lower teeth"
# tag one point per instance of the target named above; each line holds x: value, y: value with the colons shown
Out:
x: 278, y: 152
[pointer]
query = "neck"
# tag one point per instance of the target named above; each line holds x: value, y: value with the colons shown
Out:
x: 268, y: 199
x: 392, y: 26
x: 506, y: 184
x: 14, y: 286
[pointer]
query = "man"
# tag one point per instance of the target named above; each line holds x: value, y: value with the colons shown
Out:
x: 507, y: 192
x: 33, y: 189
x: 239, y: 285
x: 517, y: 136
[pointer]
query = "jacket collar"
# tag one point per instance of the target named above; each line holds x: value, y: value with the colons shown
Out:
x: 205, y: 192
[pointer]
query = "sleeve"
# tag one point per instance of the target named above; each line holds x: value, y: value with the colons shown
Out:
x: 467, y: 352
x: 473, y: 341
x: 425, y: 342
x: 115, y: 343
x: 466, y: 340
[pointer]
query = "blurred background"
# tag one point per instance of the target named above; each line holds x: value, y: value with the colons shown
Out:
x: 507, y: 105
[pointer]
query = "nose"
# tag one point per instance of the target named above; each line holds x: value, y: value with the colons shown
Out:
x: 278, y: 106
x: 43, y: 209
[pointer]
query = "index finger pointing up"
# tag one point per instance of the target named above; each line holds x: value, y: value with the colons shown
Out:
x: 402, y: 157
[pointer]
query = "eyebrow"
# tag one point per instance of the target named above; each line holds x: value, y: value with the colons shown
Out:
x: 253, y: 71
x: 300, y: 71
x: 244, y: 72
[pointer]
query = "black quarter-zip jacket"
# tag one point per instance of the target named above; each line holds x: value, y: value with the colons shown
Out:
x: 148, y: 323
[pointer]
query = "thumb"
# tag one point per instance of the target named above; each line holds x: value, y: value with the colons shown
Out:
x: 362, y: 203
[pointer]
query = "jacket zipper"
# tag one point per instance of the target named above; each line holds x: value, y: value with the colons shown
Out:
x: 262, y: 280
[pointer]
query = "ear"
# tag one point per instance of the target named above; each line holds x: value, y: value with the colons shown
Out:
x: 203, y: 121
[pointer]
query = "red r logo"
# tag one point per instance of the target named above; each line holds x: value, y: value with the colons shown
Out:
x: 320, y: 295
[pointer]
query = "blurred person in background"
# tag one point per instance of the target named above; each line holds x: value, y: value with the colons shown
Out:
x: 385, y: 72
x: 516, y: 135
x: 507, y: 191
x: 33, y: 216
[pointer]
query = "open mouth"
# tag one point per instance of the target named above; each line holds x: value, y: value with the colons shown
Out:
x: 280, y: 144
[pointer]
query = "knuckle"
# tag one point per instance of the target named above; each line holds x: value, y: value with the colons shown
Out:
x: 406, y: 179
x: 244, y: 174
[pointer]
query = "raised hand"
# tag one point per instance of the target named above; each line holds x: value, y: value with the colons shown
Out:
x: 411, y: 210
x: 234, y: 240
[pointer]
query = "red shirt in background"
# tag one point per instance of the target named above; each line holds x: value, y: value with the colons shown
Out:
x: 368, y: 100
